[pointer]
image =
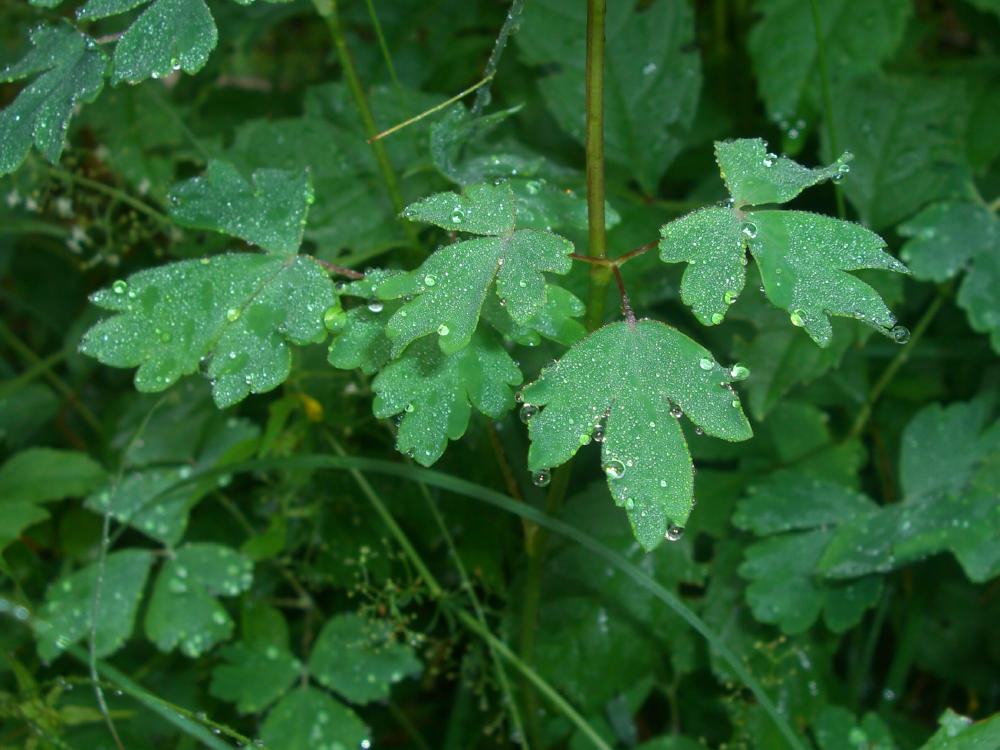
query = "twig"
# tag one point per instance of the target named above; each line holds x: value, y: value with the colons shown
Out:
x: 432, y: 110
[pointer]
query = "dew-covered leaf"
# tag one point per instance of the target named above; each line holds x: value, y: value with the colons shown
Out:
x: 556, y: 321
x: 856, y: 36
x: 183, y: 610
x: 449, y: 288
x: 950, y: 470
x: 269, y: 211
x: 783, y: 588
x: 949, y: 237
x: 310, y: 718
x: 755, y: 176
x: 168, y: 36
x: 254, y: 675
x: 659, y: 375
x: 360, y: 659
x: 69, y: 604
x: 434, y: 392
x: 652, y: 77
x: 238, y: 311
x: 959, y: 732
x: 71, y: 70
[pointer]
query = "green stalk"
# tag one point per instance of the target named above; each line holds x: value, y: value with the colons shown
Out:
x: 327, y: 9
x: 824, y: 77
x: 600, y: 275
x: 113, y: 192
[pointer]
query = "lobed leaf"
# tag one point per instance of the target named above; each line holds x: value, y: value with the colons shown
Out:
x: 450, y: 287
x: 433, y: 391
x: 269, y: 211
x: 254, y: 675
x: 658, y: 374
x: 310, y: 718
x: 71, y: 71
x: 168, y: 36
x: 236, y: 311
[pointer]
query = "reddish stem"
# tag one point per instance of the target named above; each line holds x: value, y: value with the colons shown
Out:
x: 348, y: 272
x: 626, y: 307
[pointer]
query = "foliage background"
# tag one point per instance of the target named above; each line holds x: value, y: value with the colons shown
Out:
x: 847, y: 554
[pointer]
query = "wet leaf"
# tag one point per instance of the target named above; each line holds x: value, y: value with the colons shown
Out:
x: 236, y: 312
x: 659, y: 375
x: 360, y: 659
x: 168, y: 36
x: 253, y: 675
x: 959, y: 732
x: 310, y: 718
x: 434, y: 393
x: 71, y: 71
x: 269, y: 211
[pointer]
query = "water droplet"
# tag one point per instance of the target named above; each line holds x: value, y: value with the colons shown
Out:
x: 705, y: 363
x: 429, y: 280
x: 900, y: 334
x: 334, y: 318
x: 232, y: 314
x: 730, y: 297
x: 676, y: 412
x: 674, y: 533
x: 541, y: 478
x: 443, y: 330
x: 457, y: 216
x: 175, y: 63
x: 629, y: 503
x: 375, y: 306
x: 119, y: 287
x: 614, y: 468
x: 649, y: 68
x: 533, y: 186
x: 770, y: 159
x: 798, y: 318
x: 409, y: 408
x: 750, y: 229
x: 717, y: 318
x: 598, y: 433
x: 527, y: 412
x: 739, y: 371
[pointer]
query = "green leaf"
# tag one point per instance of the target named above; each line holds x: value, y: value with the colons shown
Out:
x: 907, y: 152
x: 183, y: 611
x: 254, y: 675
x: 270, y: 211
x: 16, y: 518
x: 949, y: 237
x: 238, y: 311
x: 71, y: 69
x: 360, y: 659
x: 784, y: 590
x: 170, y: 35
x: 652, y: 77
x: 959, y: 732
x: 555, y: 321
x: 449, y: 288
x: 857, y: 35
x: 69, y: 604
x: 41, y: 475
x: 755, y: 176
x: 360, y: 339
x: 434, y: 391
x: 311, y: 718
x: 659, y: 374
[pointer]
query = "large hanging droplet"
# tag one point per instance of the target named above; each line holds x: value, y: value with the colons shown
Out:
x: 541, y: 478
x: 674, y: 533
x: 527, y: 412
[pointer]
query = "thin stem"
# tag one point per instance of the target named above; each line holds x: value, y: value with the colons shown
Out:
x: 897, y: 362
x: 616, y: 262
x: 113, y: 192
x: 626, y: 307
x: 824, y: 77
x: 386, y: 55
x: 994, y: 205
x: 863, y: 665
x: 432, y: 110
x: 341, y: 270
x: 327, y: 9
x: 600, y: 276
x: 509, y: 27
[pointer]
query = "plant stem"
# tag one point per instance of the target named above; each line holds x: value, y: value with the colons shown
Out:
x: 824, y: 77
x: 863, y: 665
x: 327, y: 9
x: 600, y: 276
x: 508, y: 28
x: 432, y: 110
x: 113, y: 192
x: 897, y: 362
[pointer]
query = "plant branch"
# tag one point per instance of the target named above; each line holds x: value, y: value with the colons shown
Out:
x: 432, y: 110
x: 600, y: 276
x: 509, y: 27
x: 341, y: 270
x: 626, y: 307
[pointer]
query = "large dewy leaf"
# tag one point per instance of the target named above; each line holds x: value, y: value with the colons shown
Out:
x: 434, y: 392
x: 71, y: 69
x: 270, y: 211
x: 170, y: 35
x: 451, y: 285
x: 635, y: 381
x: 652, y: 76
x: 238, y: 311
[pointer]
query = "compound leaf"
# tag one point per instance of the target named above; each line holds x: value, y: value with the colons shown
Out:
x: 434, y: 390
x: 254, y: 676
x: 183, y: 610
x: 652, y: 75
x: 269, y: 211
x: 952, y: 236
x: 658, y: 375
x: 72, y: 69
x: 311, y: 718
x: 237, y: 310
x: 360, y: 659
x: 168, y: 36
x: 450, y: 287
x: 856, y: 35
x: 69, y: 605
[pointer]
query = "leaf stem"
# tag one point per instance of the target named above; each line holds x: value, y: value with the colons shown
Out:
x: 904, y: 354
x: 600, y: 276
x: 327, y: 9
x: 113, y: 192
x: 824, y: 77
x: 626, y: 307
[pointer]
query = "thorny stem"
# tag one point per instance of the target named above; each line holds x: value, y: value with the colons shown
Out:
x: 327, y: 9
x: 827, y: 101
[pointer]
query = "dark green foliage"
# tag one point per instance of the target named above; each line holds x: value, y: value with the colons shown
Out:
x: 405, y: 462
